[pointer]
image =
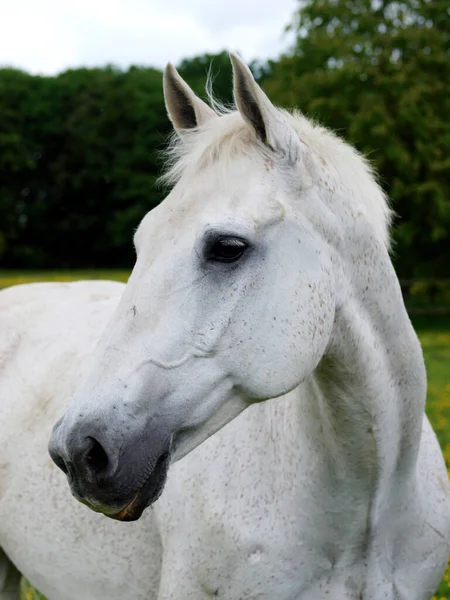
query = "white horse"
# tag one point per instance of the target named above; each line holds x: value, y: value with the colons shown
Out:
x: 265, y: 274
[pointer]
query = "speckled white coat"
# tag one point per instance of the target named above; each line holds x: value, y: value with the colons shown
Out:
x: 336, y: 486
x: 48, y: 332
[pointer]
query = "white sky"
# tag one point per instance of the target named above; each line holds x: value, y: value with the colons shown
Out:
x: 48, y: 36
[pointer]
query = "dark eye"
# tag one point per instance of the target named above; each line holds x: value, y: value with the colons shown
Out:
x: 226, y: 249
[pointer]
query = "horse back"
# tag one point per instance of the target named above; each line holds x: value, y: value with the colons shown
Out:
x: 47, y: 332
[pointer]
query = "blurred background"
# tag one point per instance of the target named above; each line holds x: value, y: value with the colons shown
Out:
x: 82, y: 118
x: 83, y: 123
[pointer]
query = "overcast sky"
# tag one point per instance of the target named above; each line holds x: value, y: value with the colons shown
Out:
x: 48, y: 36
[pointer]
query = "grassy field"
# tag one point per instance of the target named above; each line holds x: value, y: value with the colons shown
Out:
x: 434, y: 334
x: 8, y: 278
x: 436, y: 349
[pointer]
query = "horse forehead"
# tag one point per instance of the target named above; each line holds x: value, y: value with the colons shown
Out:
x: 247, y: 194
x: 243, y: 191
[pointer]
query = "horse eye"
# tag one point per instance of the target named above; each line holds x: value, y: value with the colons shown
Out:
x: 227, y: 250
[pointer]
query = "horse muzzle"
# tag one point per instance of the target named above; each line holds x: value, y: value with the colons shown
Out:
x: 117, y: 475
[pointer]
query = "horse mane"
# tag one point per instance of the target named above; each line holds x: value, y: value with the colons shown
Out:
x: 221, y: 140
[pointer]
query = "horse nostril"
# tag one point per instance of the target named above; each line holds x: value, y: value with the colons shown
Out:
x: 59, y: 462
x: 96, y: 457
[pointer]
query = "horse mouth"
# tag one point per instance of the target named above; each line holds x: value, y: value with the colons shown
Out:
x: 147, y: 494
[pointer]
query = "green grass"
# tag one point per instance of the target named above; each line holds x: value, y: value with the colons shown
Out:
x: 28, y: 592
x: 434, y: 335
x: 8, y: 278
x: 435, y: 342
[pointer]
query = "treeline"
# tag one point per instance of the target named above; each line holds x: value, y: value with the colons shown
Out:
x: 80, y: 152
x: 78, y: 164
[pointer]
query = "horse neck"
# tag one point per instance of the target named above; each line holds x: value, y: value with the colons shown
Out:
x: 359, y: 415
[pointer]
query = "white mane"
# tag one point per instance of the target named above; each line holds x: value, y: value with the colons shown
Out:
x: 229, y: 136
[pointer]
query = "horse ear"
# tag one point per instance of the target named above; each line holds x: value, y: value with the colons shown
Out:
x: 184, y: 108
x: 259, y: 112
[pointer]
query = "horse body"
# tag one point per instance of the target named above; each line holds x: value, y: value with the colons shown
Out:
x: 48, y: 332
x: 262, y: 509
x: 262, y: 348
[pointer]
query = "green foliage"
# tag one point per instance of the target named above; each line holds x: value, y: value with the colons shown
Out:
x: 79, y: 160
x: 218, y: 66
x: 78, y: 164
x: 379, y: 72
x: 80, y: 152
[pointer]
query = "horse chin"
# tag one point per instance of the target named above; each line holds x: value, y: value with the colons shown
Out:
x: 147, y: 494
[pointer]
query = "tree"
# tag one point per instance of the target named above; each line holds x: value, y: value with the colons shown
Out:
x: 195, y: 71
x: 79, y: 160
x: 379, y: 72
x: 78, y: 164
